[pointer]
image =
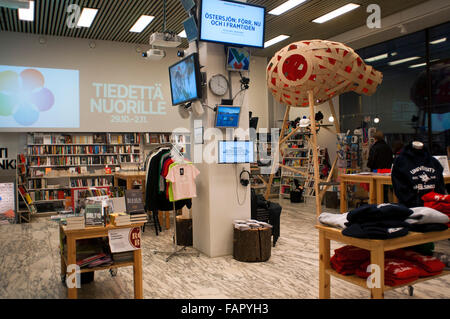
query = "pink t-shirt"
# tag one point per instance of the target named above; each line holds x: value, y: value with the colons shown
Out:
x: 182, y: 177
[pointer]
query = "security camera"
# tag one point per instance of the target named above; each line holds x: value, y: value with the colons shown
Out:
x: 154, y: 54
x: 180, y: 53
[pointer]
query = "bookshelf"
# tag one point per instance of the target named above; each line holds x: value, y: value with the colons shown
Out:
x: 295, y: 152
x: 25, y: 207
x: 260, y: 171
x: 58, y: 163
x: 308, y: 190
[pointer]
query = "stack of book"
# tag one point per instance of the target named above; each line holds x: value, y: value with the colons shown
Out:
x: 75, y: 222
x: 119, y: 219
x: 138, y: 217
x: 96, y: 260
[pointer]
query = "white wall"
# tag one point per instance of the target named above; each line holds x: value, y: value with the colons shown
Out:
x: 14, y: 143
x: 116, y: 63
x: 218, y: 187
x: 108, y: 62
x: 257, y: 93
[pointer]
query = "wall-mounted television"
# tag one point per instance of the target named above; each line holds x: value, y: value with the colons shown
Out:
x: 190, y: 27
x: 231, y: 22
x: 238, y: 59
x: 227, y: 116
x: 236, y: 152
x: 185, y: 80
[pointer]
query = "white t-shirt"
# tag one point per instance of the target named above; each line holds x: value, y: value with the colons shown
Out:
x: 182, y: 177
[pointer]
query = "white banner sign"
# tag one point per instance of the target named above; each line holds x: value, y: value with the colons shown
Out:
x: 124, y: 239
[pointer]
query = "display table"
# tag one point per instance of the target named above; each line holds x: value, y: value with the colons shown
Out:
x: 95, y: 232
x: 376, y: 248
x: 376, y: 183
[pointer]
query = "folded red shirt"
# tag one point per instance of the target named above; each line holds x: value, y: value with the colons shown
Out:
x: 435, y: 197
x: 429, y: 263
x: 344, y: 268
x: 443, y: 207
x: 393, y: 268
x: 398, y: 282
x: 351, y: 253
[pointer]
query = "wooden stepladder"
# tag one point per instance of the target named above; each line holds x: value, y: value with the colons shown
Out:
x: 314, y: 145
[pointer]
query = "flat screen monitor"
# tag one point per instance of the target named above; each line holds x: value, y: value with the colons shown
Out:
x: 227, y: 116
x: 190, y: 27
x: 236, y: 152
x: 234, y: 23
x: 238, y: 59
x: 185, y: 83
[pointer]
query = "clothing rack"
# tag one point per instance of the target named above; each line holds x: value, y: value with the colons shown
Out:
x: 156, y: 149
x: 179, y: 157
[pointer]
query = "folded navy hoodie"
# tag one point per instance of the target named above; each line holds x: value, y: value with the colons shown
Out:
x: 415, y: 173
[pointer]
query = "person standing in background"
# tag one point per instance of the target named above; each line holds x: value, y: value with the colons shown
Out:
x: 380, y: 154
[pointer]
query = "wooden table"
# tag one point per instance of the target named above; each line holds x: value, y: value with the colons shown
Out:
x: 130, y: 177
x: 95, y: 232
x: 376, y: 183
x: 356, y: 178
x: 376, y: 248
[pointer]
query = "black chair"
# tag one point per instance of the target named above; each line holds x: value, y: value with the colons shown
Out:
x: 266, y: 211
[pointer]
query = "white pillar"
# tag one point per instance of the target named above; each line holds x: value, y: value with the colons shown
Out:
x: 218, y: 187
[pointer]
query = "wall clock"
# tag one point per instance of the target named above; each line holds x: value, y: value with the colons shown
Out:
x: 218, y: 84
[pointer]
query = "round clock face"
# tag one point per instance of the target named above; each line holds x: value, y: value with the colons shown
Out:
x: 218, y: 84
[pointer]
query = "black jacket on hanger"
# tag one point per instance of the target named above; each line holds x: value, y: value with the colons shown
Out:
x: 415, y: 173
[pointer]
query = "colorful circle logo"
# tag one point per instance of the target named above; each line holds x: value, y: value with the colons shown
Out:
x: 23, y: 96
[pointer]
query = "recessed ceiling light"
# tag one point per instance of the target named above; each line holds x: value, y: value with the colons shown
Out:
x: 377, y: 57
x: 141, y: 23
x: 182, y: 34
x: 277, y: 39
x: 27, y: 14
x: 87, y: 17
x: 438, y: 41
x: 404, y: 60
x: 417, y: 65
x: 288, y: 5
x: 333, y: 14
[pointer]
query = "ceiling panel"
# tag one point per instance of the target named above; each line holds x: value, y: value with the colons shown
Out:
x: 115, y: 18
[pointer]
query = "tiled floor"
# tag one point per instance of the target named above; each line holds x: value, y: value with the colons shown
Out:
x: 30, y: 268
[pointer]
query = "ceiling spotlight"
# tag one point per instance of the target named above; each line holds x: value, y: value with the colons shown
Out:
x: 376, y: 120
x: 331, y: 119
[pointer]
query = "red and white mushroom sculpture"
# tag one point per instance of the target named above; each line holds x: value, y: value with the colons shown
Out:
x: 326, y: 68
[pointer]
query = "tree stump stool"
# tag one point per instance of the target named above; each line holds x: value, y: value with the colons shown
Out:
x: 184, y: 231
x: 252, y: 245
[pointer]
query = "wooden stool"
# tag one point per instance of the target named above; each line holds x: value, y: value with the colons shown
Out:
x: 252, y: 245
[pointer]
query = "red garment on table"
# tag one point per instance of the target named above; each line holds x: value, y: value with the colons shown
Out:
x: 397, y: 282
x: 429, y: 263
x: 351, y: 253
x: 435, y: 197
x: 443, y: 207
x: 344, y: 268
x: 396, y: 272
